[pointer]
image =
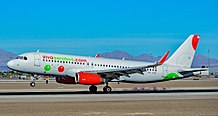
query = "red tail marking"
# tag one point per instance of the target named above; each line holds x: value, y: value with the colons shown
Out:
x: 195, y: 40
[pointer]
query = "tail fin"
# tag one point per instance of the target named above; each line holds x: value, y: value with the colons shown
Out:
x: 184, y: 55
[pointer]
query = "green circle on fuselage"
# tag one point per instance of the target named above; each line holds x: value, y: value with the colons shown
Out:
x: 47, y: 67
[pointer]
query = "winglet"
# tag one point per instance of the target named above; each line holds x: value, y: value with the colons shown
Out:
x: 163, y: 59
x: 97, y: 55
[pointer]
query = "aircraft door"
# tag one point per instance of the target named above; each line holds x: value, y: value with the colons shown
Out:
x: 37, y: 59
x: 165, y: 70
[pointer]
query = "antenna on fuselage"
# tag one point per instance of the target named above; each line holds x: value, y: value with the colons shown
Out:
x: 37, y: 50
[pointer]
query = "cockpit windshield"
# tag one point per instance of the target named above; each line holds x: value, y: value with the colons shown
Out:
x: 21, y: 57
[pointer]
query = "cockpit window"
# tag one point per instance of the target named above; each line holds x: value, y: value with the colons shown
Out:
x: 25, y: 58
x: 21, y: 57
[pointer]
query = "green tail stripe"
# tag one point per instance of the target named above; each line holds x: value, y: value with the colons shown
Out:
x: 171, y: 76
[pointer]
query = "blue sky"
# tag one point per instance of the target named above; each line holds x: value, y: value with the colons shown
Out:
x: 87, y: 27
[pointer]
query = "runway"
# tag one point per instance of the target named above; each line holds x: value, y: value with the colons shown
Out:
x: 38, y: 95
x: 108, y: 97
x: 171, y: 98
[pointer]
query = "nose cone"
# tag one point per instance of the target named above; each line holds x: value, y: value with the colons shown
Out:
x: 10, y: 64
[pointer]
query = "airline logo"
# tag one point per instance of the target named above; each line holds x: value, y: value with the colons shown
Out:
x: 64, y: 58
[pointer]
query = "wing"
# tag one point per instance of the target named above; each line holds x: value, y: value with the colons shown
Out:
x: 116, y: 73
x: 113, y: 73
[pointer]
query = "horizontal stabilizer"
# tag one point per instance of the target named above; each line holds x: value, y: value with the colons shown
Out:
x: 192, y: 70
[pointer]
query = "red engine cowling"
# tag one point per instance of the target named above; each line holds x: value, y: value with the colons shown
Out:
x: 65, y: 80
x: 90, y: 79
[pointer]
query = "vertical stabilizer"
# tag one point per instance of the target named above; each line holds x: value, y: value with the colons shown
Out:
x: 184, y: 55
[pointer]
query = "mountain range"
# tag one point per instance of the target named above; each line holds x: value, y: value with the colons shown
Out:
x: 199, y: 60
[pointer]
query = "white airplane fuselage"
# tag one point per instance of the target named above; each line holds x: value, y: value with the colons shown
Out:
x: 48, y: 64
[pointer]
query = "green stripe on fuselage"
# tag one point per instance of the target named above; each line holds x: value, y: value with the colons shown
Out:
x: 171, y: 76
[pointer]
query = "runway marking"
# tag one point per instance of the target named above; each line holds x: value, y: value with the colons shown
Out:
x: 95, y: 113
x: 139, y: 113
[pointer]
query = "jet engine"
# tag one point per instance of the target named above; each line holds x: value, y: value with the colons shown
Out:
x: 89, y: 78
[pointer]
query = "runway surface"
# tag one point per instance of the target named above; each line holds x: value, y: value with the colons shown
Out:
x: 127, y: 104
x: 75, y: 97
x: 170, y: 98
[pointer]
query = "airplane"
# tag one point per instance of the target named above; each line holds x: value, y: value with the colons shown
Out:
x: 71, y: 69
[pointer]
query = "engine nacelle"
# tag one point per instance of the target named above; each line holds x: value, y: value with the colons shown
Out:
x: 65, y: 80
x: 89, y: 78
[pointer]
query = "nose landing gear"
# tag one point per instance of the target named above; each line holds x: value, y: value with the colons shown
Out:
x: 33, y: 84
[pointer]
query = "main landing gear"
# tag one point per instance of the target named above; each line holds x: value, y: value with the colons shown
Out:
x: 106, y: 89
x: 93, y: 89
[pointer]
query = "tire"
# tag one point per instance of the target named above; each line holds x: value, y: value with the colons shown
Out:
x: 93, y: 89
x: 107, y: 89
x: 32, y: 84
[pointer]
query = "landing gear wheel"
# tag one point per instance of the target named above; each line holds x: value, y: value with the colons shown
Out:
x: 93, y: 89
x: 107, y: 89
x: 32, y: 84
